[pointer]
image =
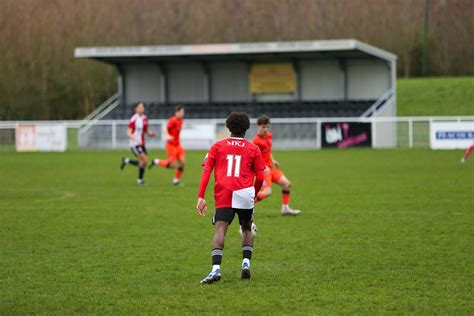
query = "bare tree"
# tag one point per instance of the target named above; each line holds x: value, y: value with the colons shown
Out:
x: 40, y: 79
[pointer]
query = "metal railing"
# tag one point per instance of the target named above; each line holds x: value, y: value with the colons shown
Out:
x: 385, y: 99
x: 100, y: 108
x: 99, y: 113
x: 288, y: 133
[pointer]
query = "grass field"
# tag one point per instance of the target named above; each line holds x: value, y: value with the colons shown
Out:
x: 441, y: 96
x: 383, y: 231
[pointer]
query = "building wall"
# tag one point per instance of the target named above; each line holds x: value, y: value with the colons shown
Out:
x: 385, y: 132
x: 229, y: 82
x: 186, y: 82
x: 141, y: 82
x: 367, y: 79
x: 321, y: 80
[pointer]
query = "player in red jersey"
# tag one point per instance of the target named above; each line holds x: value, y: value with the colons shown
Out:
x: 137, y: 128
x: 175, y: 155
x: 238, y: 172
x: 467, y: 153
x: 263, y: 139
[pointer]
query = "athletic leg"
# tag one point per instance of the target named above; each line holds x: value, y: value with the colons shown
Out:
x: 127, y: 160
x: 467, y: 153
x: 222, y: 220
x: 219, y: 238
x: 246, y: 220
x: 266, y: 190
x: 247, y: 249
x: 181, y: 163
x: 285, y: 194
x: 264, y: 193
x: 165, y: 163
x: 142, y: 160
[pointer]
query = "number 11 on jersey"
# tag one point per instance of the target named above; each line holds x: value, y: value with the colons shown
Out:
x: 230, y: 165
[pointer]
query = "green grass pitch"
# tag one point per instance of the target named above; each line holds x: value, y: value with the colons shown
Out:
x: 382, y: 231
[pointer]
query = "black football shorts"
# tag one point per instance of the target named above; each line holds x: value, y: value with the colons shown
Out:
x: 137, y: 150
x: 228, y: 214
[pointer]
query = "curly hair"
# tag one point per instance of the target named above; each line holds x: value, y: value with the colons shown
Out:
x: 238, y: 123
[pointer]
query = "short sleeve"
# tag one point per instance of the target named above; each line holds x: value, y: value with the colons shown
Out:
x: 258, y: 163
x: 212, y: 153
x: 131, y: 124
x: 210, y: 159
x: 171, y: 124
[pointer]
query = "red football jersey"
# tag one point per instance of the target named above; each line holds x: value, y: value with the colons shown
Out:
x: 236, y: 163
x: 139, y: 126
x: 174, y: 128
x: 265, y: 145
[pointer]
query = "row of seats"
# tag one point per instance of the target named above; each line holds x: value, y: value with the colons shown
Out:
x: 274, y: 109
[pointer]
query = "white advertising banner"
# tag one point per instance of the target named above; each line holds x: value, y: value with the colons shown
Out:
x: 198, y: 136
x: 32, y: 137
x: 452, y: 135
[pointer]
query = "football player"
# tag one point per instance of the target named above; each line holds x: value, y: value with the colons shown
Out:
x: 238, y: 171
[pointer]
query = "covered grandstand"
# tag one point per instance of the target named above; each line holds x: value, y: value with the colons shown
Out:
x: 304, y: 79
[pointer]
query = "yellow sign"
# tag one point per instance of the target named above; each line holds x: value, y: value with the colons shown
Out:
x: 272, y: 78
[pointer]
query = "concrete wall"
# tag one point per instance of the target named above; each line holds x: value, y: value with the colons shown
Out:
x: 328, y: 79
x: 384, y: 134
x: 321, y: 80
x: 367, y: 79
x: 141, y: 82
x: 186, y: 82
x: 229, y: 82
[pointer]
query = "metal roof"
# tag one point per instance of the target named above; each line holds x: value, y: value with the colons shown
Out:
x: 207, y: 50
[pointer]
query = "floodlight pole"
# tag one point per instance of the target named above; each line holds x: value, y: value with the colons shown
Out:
x: 424, y: 64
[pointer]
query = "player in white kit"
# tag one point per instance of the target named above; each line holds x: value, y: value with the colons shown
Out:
x: 137, y: 128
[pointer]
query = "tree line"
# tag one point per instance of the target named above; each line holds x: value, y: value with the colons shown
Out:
x: 40, y: 79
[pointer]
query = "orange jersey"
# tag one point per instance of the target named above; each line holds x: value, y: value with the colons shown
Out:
x: 265, y: 146
x: 174, y: 128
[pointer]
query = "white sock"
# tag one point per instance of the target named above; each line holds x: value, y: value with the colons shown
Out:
x: 216, y: 267
x: 156, y: 161
x: 126, y: 160
x: 246, y: 261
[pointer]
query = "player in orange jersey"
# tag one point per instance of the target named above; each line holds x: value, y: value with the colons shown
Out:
x: 174, y: 151
x: 263, y: 139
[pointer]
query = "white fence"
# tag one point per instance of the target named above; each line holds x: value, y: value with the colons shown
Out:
x: 291, y: 133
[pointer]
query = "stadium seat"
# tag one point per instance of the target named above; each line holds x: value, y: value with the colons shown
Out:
x: 274, y: 109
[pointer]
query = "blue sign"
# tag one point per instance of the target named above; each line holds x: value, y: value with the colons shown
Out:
x: 455, y: 135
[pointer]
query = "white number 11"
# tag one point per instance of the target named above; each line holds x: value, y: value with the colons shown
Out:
x: 230, y: 163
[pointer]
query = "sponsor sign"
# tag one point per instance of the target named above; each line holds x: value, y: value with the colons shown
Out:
x: 346, y: 134
x: 272, y: 78
x: 452, y: 135
x: 197, y: 135
x: 32, y: 137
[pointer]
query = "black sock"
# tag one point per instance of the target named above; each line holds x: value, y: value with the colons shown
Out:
x: 133, y: 162
x: 247, y: 251
x: 216, y: 256
x: 141, y: 172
